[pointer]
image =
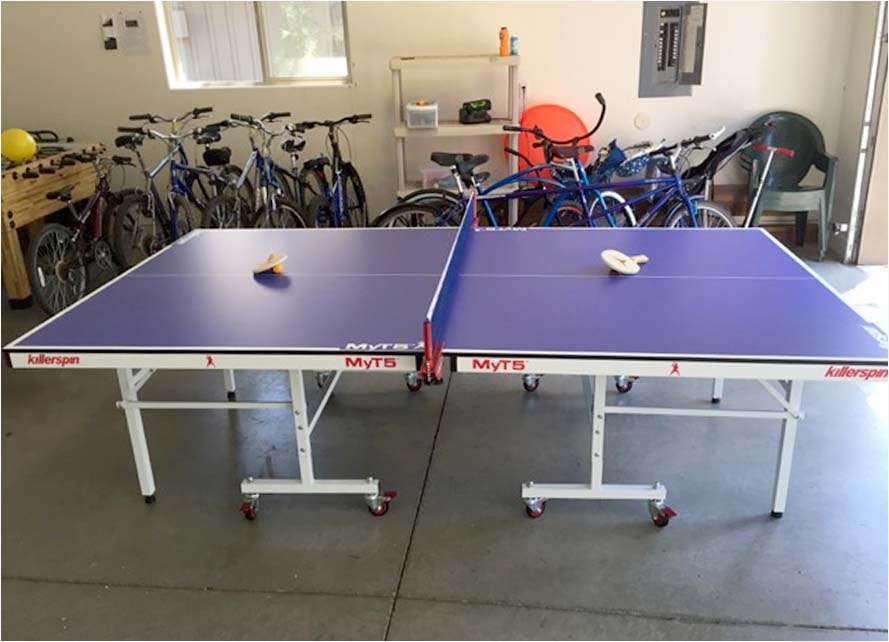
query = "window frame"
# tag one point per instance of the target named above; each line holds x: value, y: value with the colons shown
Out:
x: 173, y: 61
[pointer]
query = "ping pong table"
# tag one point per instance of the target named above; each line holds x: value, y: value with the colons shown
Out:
x: 717, y: 304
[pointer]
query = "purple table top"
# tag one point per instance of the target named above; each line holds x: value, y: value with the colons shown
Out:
x: 339, y: 287
x: 706, y: 293
x: 726, y: 294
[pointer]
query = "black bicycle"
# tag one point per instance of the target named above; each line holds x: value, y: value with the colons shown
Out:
x: 329, y: 186
x: 60, y: 256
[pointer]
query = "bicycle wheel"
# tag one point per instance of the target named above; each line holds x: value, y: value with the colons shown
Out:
x: 708, y: 214
x: 354, y: 200
x: 56, y: 268
x: 438, y: 198
x: 188, y: 215
x: 409, y: 215
x: 231, y: 174
x: 570, y: 214
x: 113, y: 201
x: 288, y: 190
x: 137, y: 235
x: 614, y: 204
x: 311, y: 184
x: 285, y: 215
x: 226, y: 212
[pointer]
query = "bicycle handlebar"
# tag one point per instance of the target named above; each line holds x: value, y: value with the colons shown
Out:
x: 132, y: 130
x: 538, y: 133
x: 274, y: 115
x: 354, y: 119
x: 195, y: 112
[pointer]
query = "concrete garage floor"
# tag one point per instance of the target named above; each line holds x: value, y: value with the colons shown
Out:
x: 84, y: 557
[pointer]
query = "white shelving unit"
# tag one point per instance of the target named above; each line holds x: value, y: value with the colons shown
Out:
x: 453, y: 128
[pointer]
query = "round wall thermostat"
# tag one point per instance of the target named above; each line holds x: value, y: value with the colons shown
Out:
x: 642, y: 120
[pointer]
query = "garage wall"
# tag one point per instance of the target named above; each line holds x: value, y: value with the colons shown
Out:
x: 853, y: 92
x: 759, y: 57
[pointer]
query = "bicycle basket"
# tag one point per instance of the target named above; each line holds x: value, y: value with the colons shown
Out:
x: 603, y: 170
x: 633, y: 166
x: 217, y: 156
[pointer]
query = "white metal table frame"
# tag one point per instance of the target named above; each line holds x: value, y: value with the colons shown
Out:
x: 595, y: 373
x: 131, y: 381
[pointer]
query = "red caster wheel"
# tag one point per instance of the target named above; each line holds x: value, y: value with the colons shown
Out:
x: 250, y: 510
x: 413, y: 382
x: 662, y: 518
x: 534, y: 513
x: 383, y: 507
x: 623, y: 385
x: 530, y: 383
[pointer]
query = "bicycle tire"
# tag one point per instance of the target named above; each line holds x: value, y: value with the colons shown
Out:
x: 312, y: 183
x: 356, y: 212
x: 188, y: 215
x: 623, y: 216
x: 136, y: 234
x: 285, y: 215
x: 113, y: 201
x: 714, y: 215
x: 230, y: 174
x: 55, y: 282
x: 407, y: 215
x: 288, y: 190
x: 433, y: 197
x: 224, y: 211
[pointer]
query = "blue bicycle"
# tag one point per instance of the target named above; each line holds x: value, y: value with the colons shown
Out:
x: 559, y: 188
x: 338, y: 201
x: 149, y: 220
x: 269, y: 207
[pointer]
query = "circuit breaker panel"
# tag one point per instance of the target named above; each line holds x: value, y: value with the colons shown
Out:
x: 672, y: 48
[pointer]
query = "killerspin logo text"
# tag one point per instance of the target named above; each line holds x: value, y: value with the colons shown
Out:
x: 849, y: 372
x: 53, y: 360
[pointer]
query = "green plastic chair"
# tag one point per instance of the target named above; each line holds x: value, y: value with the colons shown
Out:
x: 782, y: 191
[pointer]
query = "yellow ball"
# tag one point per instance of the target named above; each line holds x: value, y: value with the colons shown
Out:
x: 17, y: 145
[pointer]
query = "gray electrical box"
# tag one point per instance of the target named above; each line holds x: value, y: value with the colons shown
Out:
x: 672, y: 48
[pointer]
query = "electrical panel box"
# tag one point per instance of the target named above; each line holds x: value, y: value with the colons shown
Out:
x: 672, y: 48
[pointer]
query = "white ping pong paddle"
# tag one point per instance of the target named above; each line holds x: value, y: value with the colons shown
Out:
x: 273, y: 263
x: 621, y: 263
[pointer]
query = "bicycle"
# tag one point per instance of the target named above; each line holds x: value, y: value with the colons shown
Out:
x: 339, y: 201
x: 563, y: 203
x: 148, y: 221
x: 671, y: 194
x: 59, y: 256
x: 269, y: 208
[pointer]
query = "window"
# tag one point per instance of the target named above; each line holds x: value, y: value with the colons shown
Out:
x: 211, y: 43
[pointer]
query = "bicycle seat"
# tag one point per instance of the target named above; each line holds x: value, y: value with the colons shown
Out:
x: 571, y: 151
x: 216, y: 156
x: 464, y: 163
x: 128, y: 140
x: 293, y: 146
x: 208, y: 137
x: 63, y: 194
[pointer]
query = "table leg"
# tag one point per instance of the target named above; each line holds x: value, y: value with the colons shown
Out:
x: 717, y: 390
x: 307, y: 484
x: 128, y: 390
x: 230, y: 388
x: 785, y: 450
x: 536, y: 495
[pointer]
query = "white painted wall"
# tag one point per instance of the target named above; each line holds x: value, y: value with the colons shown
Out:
x: 760, y: 56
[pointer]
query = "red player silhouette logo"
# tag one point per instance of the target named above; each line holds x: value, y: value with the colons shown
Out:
x: 210, y: 362
x: 675, y: 369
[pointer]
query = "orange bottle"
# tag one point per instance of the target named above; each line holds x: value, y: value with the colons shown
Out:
x: 504, y: 41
